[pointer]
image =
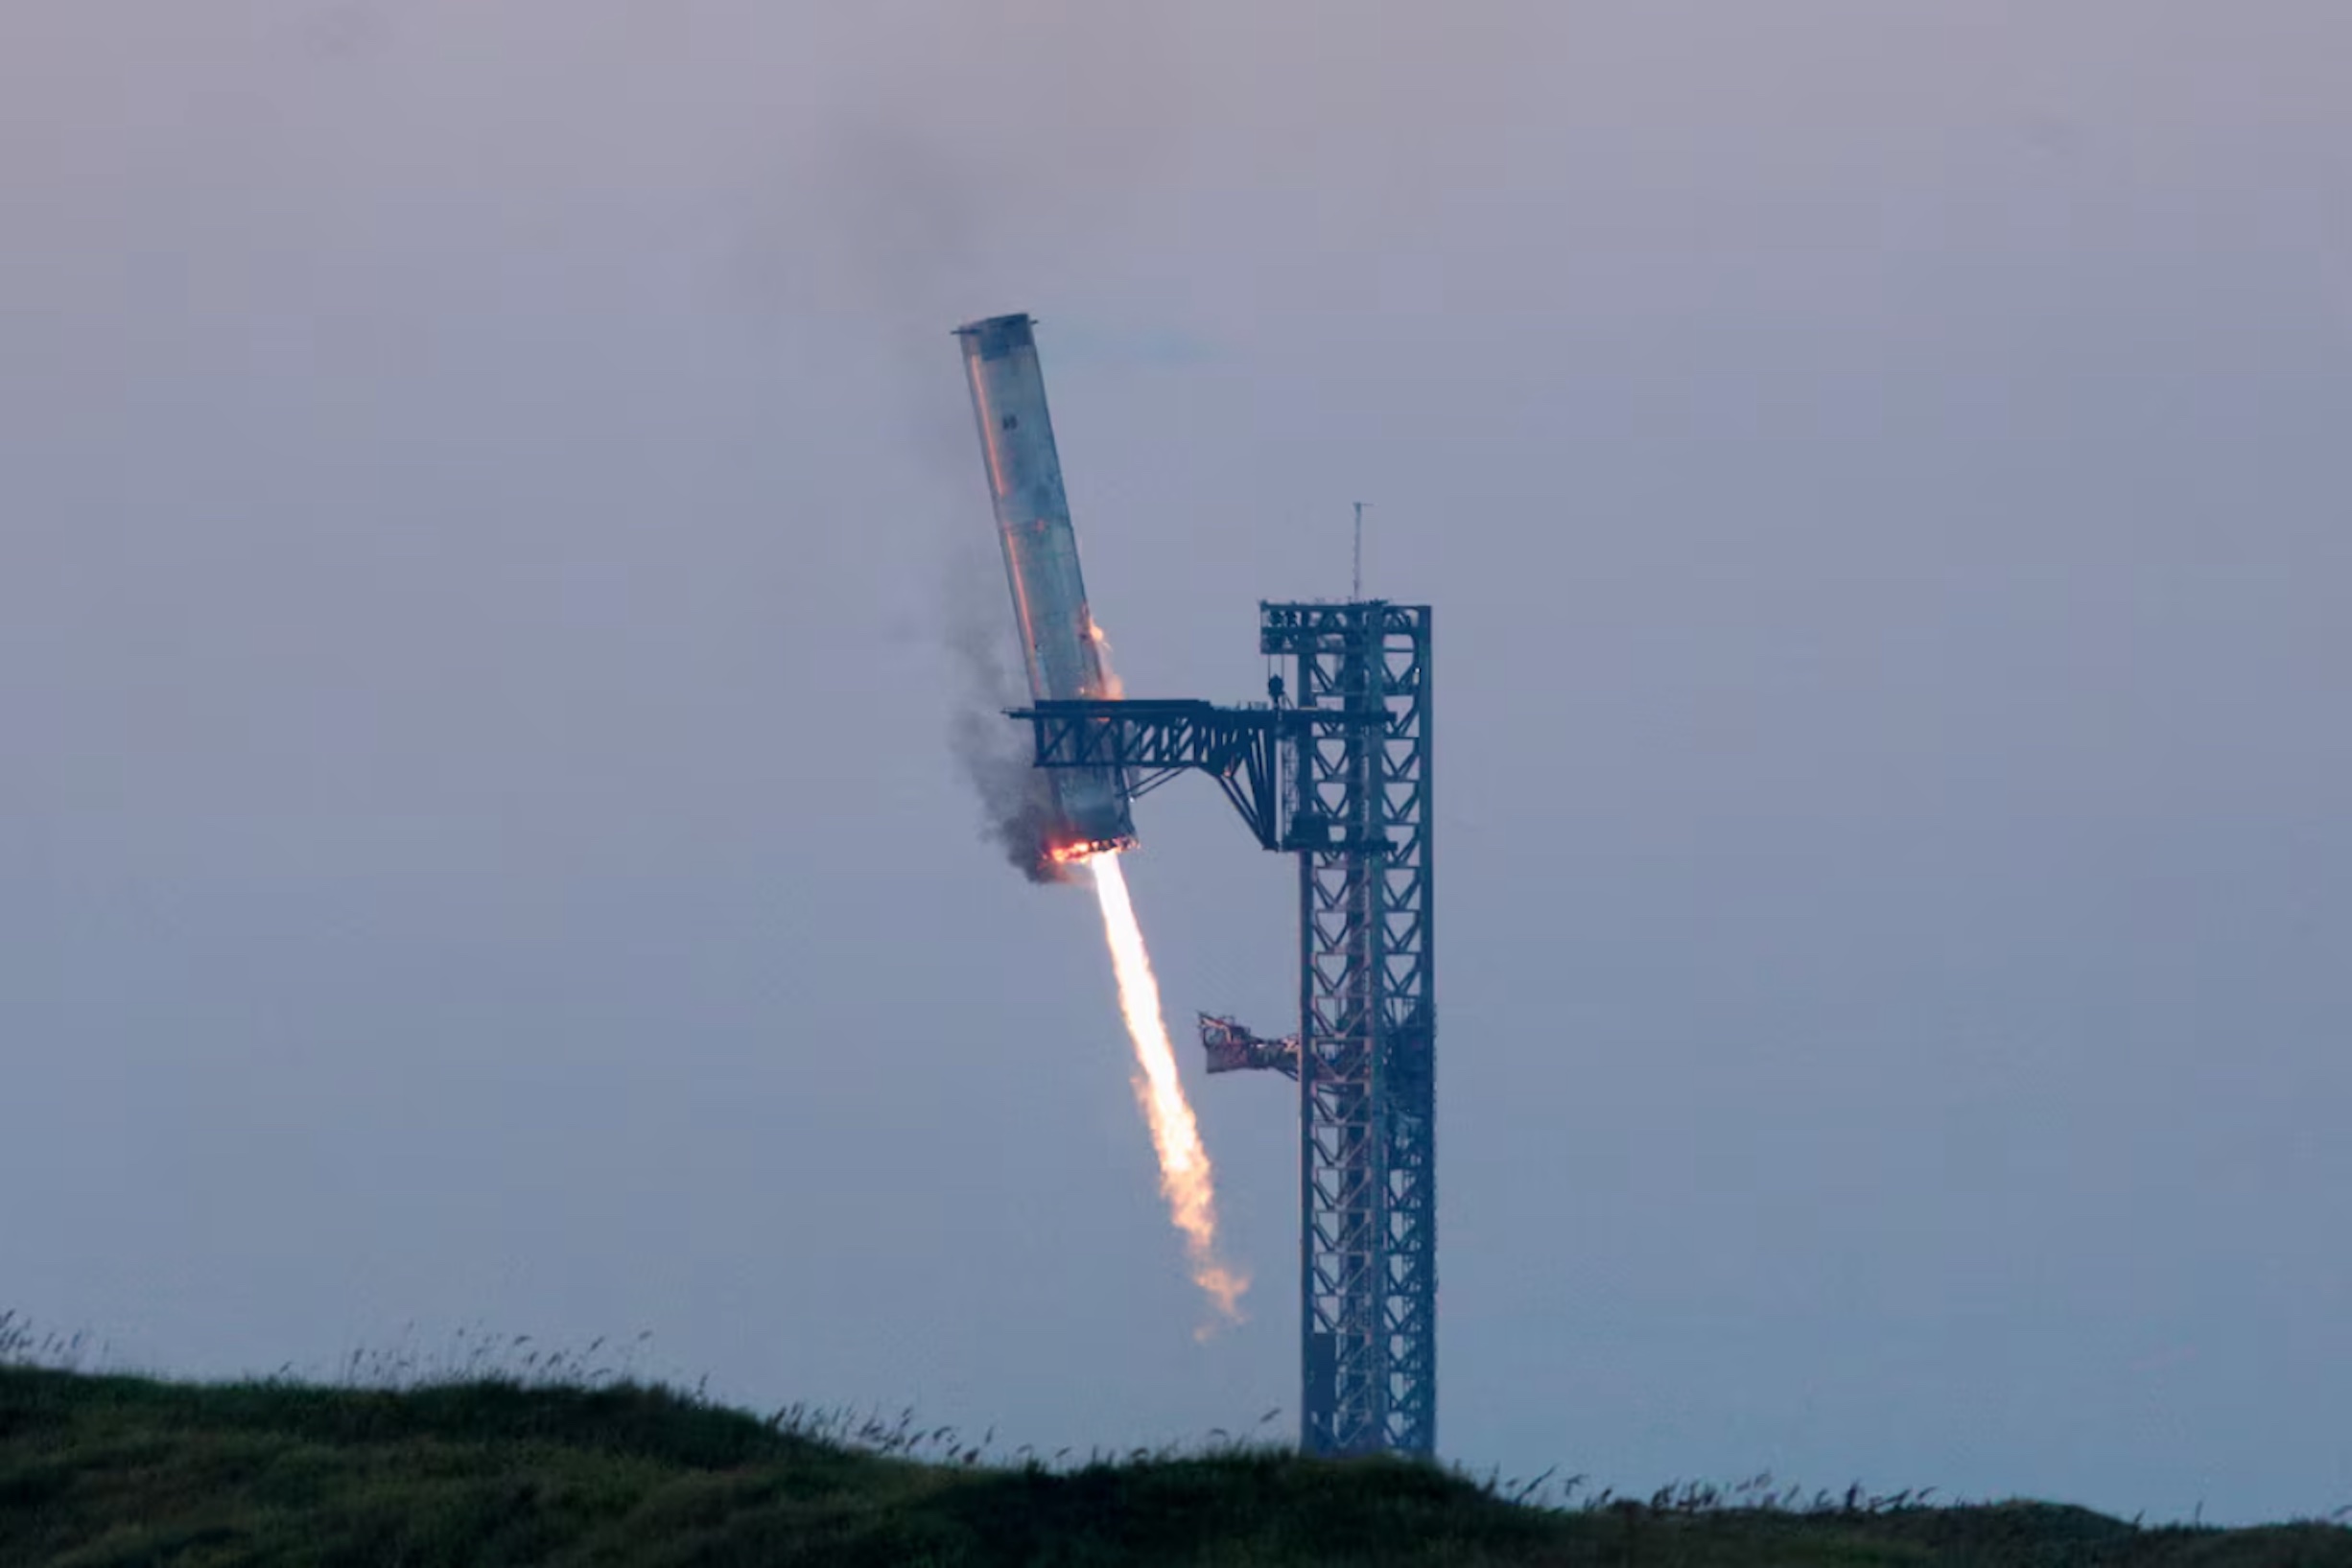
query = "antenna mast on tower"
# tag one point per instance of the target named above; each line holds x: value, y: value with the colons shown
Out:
x: 1356, y: 590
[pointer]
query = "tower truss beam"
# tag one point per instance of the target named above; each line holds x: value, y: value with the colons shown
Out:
x: 1154, y: 740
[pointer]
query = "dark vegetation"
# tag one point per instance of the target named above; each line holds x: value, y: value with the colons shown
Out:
x: 528, y: 1468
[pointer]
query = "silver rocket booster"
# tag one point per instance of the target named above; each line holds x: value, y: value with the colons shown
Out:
x: 1058, y: 640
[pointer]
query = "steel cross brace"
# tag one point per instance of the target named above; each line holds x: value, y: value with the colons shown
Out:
x: 1154, y: 740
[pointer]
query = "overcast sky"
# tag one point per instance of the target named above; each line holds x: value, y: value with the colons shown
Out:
x: 485, y: 492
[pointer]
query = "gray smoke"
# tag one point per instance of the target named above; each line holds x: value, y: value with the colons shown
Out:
x: 905, y: 217
x: 1016, y: 799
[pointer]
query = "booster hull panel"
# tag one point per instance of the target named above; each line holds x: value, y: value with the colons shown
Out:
x: 1059, y: 644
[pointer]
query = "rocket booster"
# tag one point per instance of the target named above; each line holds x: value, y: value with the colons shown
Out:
x: 1058, y: 640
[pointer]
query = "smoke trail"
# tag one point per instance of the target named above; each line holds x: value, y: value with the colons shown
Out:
x: 1017, y: 809
x: 1186, y: 1179
x: 896, y: 209
x: 1016, y: 800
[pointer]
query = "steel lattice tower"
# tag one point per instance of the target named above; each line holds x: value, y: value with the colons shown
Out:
x: 1364, y: 1056
x: 1337, y: 771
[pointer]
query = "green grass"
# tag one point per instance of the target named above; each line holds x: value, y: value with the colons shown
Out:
x: 124, y: 1470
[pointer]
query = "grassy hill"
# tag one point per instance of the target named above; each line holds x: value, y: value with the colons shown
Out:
x: 121, y: 1470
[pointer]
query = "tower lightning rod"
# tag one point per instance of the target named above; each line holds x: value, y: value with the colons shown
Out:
x: 1355, y: 592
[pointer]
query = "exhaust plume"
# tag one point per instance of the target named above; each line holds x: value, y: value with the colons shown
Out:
x: 1186, y: 1179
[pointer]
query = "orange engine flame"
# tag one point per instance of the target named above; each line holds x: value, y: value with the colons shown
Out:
x: 1108, y: 686
x: 1186, y: 1179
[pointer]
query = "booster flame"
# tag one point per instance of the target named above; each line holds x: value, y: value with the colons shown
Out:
x: 1186, y: 1180
x: 1111, y: 686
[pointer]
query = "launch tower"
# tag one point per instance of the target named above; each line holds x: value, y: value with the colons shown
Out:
x: 1335, y: 769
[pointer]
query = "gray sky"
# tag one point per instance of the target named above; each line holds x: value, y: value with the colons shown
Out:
x: 481, y: 487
